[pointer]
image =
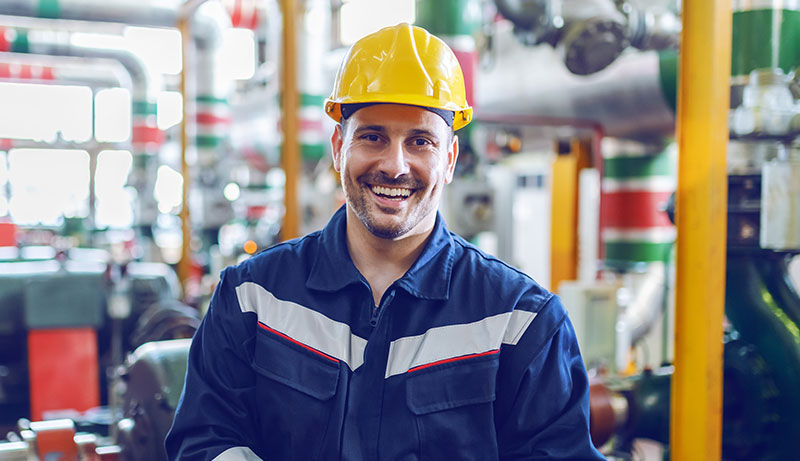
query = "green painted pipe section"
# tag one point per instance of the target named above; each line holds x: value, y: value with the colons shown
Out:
x: 208, y: 99
x: 668, y: 75
x: 209, y: 141
x: 21, y: 44
x: 312, y: 151
x: 645, y: 166
x: 143, y: 108
x: 316, y: 100
x: 623, y: 254
x: 764, y: 308
x: 449, y: 17
x: 49, y: 9
x: 753, y: 44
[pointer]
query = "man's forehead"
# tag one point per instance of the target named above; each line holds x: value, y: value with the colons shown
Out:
x: 397, y: 116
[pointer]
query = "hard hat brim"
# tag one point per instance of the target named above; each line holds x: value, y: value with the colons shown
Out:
x: 462, y: 115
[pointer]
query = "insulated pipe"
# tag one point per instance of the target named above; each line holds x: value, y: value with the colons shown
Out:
x: 701, y: 207
x: 153, y: 13
x: 627, y: 99
x: 640, y: 315
x: 95, y: 73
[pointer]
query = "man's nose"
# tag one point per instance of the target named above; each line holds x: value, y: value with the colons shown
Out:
x: 394, y: 162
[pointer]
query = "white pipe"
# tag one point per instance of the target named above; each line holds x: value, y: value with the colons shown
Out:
x: 95, y: 73
x: 640, y: 315
x: 588, y: 223
x: 59, y: 43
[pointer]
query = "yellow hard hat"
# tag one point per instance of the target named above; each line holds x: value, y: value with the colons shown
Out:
x: 401, y: 64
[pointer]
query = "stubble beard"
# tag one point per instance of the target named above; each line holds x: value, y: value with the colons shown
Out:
x: 356, y: 195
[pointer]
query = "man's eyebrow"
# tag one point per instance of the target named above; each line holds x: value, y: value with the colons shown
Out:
x: 421, y: 132
x: 378, y: 128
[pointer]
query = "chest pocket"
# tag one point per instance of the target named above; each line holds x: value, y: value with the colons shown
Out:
x: 453, y: 408
x: 295, y: 395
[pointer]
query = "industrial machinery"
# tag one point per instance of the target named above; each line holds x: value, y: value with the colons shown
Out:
x: 761, y: 349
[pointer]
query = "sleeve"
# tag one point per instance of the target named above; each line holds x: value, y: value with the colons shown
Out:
x: 543, y: 400
x: 212, y: 420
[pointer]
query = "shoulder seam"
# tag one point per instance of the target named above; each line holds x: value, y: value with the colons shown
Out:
x: 458, y: 239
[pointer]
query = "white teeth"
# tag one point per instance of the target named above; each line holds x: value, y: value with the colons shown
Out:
x: 391, y: 192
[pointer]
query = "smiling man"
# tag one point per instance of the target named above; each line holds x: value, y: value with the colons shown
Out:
x: 384, y: 336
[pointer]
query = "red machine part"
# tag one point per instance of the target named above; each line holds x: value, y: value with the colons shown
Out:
x: 8, y: 232
x: 244, y: 13
x: 602, y: 420
x: 55, y: 439
x: 63, y: 370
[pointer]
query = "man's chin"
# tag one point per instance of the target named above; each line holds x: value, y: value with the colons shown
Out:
x: 386, y: 231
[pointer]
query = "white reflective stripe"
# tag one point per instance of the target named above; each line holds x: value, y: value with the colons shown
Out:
x: 517, y: 325
x: 303, y: 324
x: 447, y: 342
x: 237, y: 454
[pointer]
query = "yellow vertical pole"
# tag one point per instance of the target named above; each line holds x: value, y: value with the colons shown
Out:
x: 564, y: 213
x: 702, y: 131
x: 184, y: 264
x: 290, y: 155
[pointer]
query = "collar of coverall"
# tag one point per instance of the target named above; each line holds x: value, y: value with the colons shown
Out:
x: 428, y: 277
x: 349, y: 109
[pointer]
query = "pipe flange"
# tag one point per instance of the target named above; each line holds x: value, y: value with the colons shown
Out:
x: 593, y: 44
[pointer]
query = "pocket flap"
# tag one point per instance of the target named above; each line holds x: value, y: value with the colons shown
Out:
x: 280, y: 360
x: 453, y: 385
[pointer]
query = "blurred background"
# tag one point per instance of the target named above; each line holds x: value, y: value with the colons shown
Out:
x: 147, y: 144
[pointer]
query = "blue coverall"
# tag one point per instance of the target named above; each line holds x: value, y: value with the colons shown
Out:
x: 466, y: 358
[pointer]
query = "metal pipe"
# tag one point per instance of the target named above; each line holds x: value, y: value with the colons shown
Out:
x: 290, y: 155
x: 701, y: 205
x: 627, y: 98
x: 63, y: 70
x: 764, y: 308
x: 642, y: 313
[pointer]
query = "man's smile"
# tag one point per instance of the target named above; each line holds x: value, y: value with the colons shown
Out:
x: 392, y: 193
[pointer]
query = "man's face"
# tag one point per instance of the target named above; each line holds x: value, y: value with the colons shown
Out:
x: 394, y: 161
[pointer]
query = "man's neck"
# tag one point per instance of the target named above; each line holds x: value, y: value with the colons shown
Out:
x: 382, y: 261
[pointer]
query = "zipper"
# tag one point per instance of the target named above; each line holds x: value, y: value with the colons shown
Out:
x: 376, y: 310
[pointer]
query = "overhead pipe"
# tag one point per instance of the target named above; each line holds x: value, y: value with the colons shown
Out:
x: 629, y: 99
x: 94, y: 73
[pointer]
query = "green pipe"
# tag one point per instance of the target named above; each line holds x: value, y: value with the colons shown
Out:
x: 668, y: 75
x: 765, y: 38
x: 763, y: 307
x: 449, y: 17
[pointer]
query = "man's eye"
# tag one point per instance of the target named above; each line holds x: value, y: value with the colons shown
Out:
x: 421, y: 142
x: 371, y: 137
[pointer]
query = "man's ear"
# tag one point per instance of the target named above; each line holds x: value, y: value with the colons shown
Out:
x: 336, y: 147
x: 452, y: 157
